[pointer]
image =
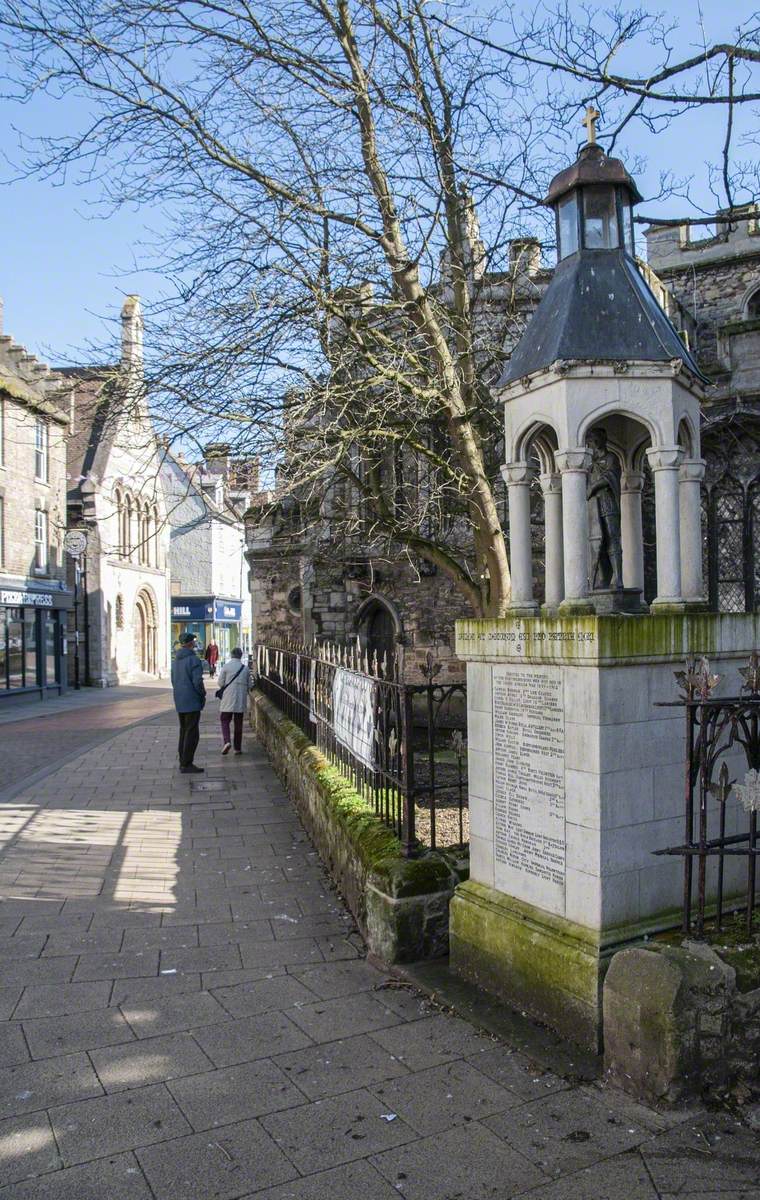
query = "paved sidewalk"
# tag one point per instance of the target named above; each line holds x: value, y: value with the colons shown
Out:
x: 185, y: 1014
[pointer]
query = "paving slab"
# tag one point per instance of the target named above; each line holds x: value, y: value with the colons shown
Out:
x: 171, y: 1014
x: 329, y: 1132
x: 13, y: 1047
x: 52, y: 1000
x: 52, y: 1036
x: 110, y: 1124
x: 575, y: 1128
x: 431, y: 1041
x: 350, y: 1182
x: 27, y: 1147
x: 36, y: 1085
x: 624, y: 1177
x: 453, y: 1094
x: 117, y: 1177
x: 715, y: 1154
x: 222, y: 1097
x: 331, y: 1019
x: 261, y: 1036
x: 341, y: 1066
x: 468, y: 1162
x: 223, y: 1164
x: 132, y: 965
x: 153, y: 1060
x: 248, y: 999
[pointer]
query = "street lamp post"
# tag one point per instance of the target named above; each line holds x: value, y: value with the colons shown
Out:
x: 75, y: 544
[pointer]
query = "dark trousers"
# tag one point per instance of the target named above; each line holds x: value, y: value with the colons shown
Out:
x: 188, y: 737
x: 225, y: 718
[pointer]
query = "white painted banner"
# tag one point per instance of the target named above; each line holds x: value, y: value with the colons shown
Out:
x: 353, y: 698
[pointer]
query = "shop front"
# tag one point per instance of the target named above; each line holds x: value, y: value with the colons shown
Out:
x: 211, y: 619
x: 32, y: 639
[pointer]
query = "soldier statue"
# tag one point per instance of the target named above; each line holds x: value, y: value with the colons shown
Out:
x: 606, y: 557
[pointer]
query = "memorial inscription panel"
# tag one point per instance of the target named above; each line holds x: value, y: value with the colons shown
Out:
x: 529, y: 784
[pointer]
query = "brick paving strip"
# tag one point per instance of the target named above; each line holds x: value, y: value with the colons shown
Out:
x: 186, y: 1014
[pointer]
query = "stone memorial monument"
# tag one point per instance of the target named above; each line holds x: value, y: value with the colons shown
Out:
x: 576, y: 776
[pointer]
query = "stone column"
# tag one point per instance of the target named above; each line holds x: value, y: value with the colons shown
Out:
x: 665, y: 463
x: 632, y: 534
x: 690, y: 478
x: 554, y: 582
x: 574, y: 465
x: 517, y: 477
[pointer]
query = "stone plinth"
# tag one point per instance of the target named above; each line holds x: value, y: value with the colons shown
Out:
x: 576, y: 777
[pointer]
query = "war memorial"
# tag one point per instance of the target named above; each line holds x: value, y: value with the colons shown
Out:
x: 576, y: 758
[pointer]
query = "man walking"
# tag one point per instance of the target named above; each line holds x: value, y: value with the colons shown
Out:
x: 189, y: 699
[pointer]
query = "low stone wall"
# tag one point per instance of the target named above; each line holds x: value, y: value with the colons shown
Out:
x: 676, y: 1026
x: 400, y: 905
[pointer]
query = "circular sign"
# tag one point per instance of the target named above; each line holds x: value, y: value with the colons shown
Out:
x: 75, y: 542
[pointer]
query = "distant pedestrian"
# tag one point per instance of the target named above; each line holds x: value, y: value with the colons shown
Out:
x: 232, y: 692
x: 189, y: 699
x: 212, y: 657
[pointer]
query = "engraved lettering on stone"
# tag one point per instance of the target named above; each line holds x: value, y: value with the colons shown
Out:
x: 529, y: 779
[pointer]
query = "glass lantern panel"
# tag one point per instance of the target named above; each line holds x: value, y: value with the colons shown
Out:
x: 568, y: 226
x: 600, y: 218
x: 630, y: 242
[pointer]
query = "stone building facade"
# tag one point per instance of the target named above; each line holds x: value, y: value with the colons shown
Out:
x: 116, y: 497
x: 209, y: 575
x: 715, y: 280
x: 710, y: 289
x: 34, y: 597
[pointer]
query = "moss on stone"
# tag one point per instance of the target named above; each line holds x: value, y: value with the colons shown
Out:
x: 416, y: 876
x: 589, y: 638
x: 532, y: 959
x: 732, y: 946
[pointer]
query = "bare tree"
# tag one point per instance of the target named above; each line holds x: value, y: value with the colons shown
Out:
x: 334, y: 311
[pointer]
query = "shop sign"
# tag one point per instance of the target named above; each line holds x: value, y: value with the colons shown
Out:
x: 19, y: 599
x: 353, y: 698
x: 228, y: 610
x: 191, y: 610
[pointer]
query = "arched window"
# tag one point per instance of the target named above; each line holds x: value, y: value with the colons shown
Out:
x: 126, y: 541
x: 118, y: 506
x: 154, y: 538
x: 753, y: 306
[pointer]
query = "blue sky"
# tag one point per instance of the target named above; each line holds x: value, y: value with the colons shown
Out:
x: 66, y: 266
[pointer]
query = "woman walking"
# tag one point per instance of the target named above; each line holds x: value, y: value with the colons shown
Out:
x: 233, y: 699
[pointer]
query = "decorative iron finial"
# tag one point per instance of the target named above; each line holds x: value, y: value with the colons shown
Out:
x: 431, y: 668
x: 696, y: 681
x: 749, y: 792
x: 722, y: 789
x: 590, y: 120
x: 751, y: 675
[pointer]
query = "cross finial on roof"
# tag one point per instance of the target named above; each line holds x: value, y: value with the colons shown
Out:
x: 590, y: 120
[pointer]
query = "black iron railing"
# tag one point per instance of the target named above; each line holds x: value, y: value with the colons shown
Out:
x: 716, y: 730
x: 402, y: 745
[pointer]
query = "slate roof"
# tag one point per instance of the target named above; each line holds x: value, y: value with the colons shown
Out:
x: 597, y: 308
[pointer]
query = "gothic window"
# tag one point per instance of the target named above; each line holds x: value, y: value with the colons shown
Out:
x: 753, y: 306
x: 727, y: 530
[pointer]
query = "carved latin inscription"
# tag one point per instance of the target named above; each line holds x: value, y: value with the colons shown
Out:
x: 529, y: 784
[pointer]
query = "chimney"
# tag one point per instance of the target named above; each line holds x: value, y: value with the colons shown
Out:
x: 132, y: 335
x: 525, y: 255
x: 217, y: 458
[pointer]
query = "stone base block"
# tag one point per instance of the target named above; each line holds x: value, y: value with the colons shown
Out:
x: 538, y: 963
x: 675, y: 1025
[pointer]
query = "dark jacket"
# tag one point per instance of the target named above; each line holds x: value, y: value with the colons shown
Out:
x: 187, y: 681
